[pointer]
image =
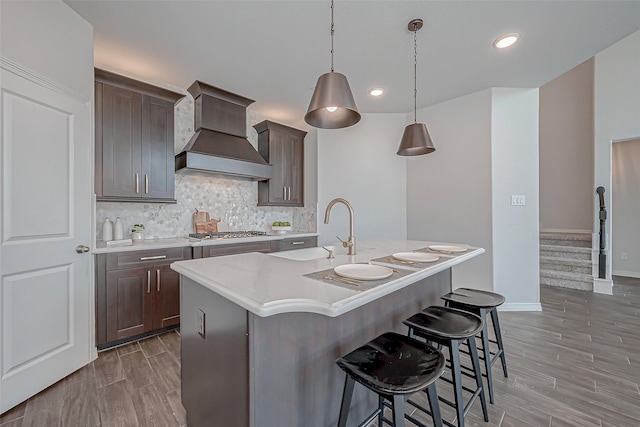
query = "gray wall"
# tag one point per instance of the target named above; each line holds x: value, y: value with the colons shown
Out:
x: 566, y: 151
x: 360, y: 164
x: 449, y: 191
x: 626, y: 208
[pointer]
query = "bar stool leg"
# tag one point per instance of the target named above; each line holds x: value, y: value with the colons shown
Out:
x: 496, y: 328
x: 347, y: 393
x: 487, y: 352
x: 454, y: 349
x: 434, y: 406
x: 473, y: 349
x: 398, y: 411
x: 381, y: 408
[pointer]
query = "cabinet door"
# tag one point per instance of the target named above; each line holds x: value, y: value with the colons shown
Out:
x: 294, y: 153
x: 157, y: 180
x: 167, y: 297
x: 120, y: 121
x: 129, y: 303
x: 278, y: 143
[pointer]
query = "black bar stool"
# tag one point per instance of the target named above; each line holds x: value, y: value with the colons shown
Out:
x: 451, y: 327
x: 482, y: 303
x: 392, y: 366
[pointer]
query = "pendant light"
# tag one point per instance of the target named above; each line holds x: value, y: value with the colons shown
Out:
x: 332, y: 105
x: 415, y: 139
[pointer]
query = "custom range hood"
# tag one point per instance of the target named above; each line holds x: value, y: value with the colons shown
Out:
x: 220, y: 144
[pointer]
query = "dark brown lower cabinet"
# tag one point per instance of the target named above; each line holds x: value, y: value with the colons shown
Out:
x: 137, y: 293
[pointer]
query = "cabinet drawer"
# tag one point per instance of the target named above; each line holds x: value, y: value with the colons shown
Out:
x: 298, y: 243
x: 121, y: 260
x: 239, y: 248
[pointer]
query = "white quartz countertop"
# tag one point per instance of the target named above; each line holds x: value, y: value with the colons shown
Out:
x: 267, y: 284
x: 139, y: 245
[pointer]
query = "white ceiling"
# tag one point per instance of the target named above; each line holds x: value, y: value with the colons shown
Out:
x: 274, y: 51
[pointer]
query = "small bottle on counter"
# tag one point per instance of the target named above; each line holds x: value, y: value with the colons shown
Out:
x: 107, y: 230
x: 118, y: 231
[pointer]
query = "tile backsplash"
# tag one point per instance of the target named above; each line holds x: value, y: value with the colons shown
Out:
x: 231, y: 200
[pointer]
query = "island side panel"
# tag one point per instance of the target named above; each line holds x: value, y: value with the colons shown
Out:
x: 215, y: 369
x: 294, y: 378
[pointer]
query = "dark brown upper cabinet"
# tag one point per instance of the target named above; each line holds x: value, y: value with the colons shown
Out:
x: 134, y: 140
x: 283, y: 147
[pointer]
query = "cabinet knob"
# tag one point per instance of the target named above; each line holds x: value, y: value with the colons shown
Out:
x: 81, y: 249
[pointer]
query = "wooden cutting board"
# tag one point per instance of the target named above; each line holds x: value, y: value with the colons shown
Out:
x: 207, y: 227
x: 199, y: 216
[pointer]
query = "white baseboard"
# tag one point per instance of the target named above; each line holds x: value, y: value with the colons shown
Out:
x: 520, y: 306
x: 633, y: 274
x: 565, y: 230
x: 602, y: 286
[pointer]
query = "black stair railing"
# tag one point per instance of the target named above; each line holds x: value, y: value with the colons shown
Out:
x: 602, y: 257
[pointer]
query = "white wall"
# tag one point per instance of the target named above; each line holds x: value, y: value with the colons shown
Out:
x: 61, y: 65
x: 514, y: 166
x: 626, y: 208
x: 449, y: 191
x: 617, y: 112
x: 566, y: 151
x: 360, y: 164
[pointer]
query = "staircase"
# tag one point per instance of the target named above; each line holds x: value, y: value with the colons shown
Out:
x: 565, y: 260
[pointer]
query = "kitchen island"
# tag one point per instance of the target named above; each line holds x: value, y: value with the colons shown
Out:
x: 260, y: 332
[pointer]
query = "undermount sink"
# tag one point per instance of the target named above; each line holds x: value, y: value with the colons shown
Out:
x: 306, y: 254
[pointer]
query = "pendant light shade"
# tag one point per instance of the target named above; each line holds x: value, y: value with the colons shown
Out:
x: 415, y: 139
x: 332, y: 105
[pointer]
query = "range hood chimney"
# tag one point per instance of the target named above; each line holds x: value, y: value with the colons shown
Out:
x: 220, y: 144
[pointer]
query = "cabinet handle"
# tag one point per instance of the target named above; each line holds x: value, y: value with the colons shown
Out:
x: 284, y: 193
x: 297, y: 243
x: 137, y: 183
x: 148, y: 281
x: 146, y: 184
x: 157, y: 280
x: 147, y: 258
x: 289, y: 193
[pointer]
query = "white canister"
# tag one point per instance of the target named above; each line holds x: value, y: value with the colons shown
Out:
x: 118, y: 232
x: 107, y: 230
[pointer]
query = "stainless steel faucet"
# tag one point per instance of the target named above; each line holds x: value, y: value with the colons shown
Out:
x: 350, y: 244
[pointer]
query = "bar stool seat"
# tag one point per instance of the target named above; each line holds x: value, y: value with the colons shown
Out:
x: 392, y: 365
x: 483, y: 303
x: 451, y: 327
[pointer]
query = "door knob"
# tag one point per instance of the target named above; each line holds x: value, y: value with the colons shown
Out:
x: 82, y: 249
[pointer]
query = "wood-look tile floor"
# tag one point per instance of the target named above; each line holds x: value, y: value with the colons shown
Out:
x: 576, y: 363
x: 137, y: 384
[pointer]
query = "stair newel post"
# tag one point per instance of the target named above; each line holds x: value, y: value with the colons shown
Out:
x: 602, y: 257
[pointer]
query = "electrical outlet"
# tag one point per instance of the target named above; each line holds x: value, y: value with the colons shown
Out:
x: 624, y: 256
x: 201, y: 323
x: 517, y: 200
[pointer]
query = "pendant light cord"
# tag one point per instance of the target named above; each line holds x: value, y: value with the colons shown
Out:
x: 332, y: 31
x: 415, y: 73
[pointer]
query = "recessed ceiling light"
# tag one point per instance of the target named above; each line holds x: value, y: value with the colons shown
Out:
x: 506, y: 40
x: 376, y: 91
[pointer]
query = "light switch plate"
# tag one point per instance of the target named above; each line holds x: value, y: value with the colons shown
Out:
x: 517, y: 200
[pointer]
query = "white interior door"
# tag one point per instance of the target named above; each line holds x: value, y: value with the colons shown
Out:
x: 46, y: 297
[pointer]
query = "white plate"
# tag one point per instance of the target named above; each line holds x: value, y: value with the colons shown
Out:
x: 363, y: 271
x: 448, y: 248
x: 416, y: 257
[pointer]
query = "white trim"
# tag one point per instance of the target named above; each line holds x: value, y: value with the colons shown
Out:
x: 565, y: 230
x: 603, y: 286
x: 40, y: 80
x: 521, y: 306
x: 634, y: 274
